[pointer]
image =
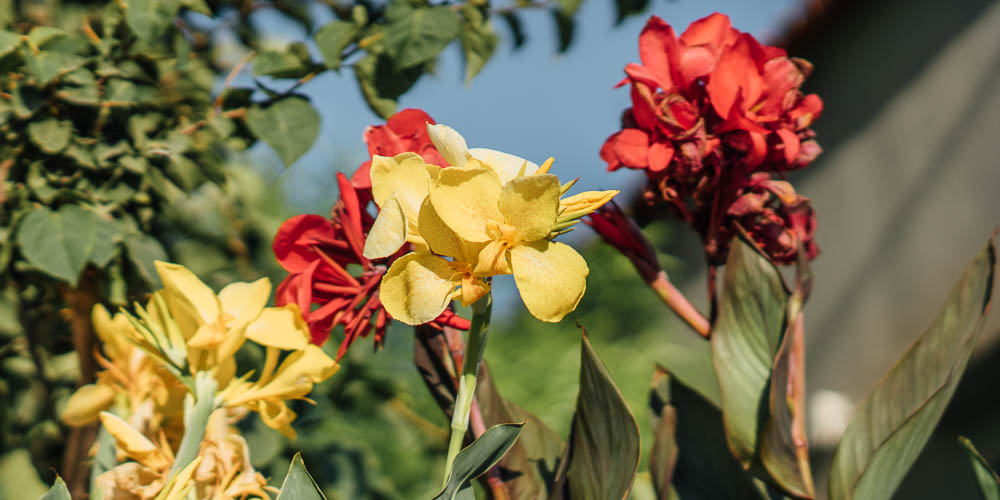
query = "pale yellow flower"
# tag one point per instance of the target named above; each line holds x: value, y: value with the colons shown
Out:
x: 492, y: 213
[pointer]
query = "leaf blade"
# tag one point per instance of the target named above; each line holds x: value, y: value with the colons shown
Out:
x: 298, y: 483
x: 477, y: 458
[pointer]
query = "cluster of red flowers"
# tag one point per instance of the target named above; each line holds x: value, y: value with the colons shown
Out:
x: 715, y: 117
x: 329, y: 277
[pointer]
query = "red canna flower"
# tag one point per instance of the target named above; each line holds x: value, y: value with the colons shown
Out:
x: 710, y: 110
x: 329, y: 278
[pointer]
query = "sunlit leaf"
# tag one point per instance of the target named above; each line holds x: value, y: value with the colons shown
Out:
x: 50, y: 135
x: 333, y: 38
x: 479, y: 41
x: 895, y: 421
x: 58, y: 243
x: 150, y: 19
x: 417, y: 35
x: 298, y: 484
x: 58, y: 491
x: 289, y: 126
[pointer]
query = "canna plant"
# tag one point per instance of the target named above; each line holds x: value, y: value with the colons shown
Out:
x: 716, y: 120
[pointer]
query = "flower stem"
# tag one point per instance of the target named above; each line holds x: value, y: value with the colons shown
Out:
x: 481, y: 310
x: 196, y: 413
x: 679, y: 303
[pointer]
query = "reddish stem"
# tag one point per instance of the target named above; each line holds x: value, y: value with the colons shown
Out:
x: 680, y: 304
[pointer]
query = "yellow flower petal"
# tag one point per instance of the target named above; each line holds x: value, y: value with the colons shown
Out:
x: 406, y: 176
x: 439, y: 237
x: 581, y: 204
x: 551, y: 278
x: 473, y: 289
x: 293, y: 379
x: 450, y: 144
x: 181, y: 484
x: 417, y: 288
x: 114, y: 332
x: 492, y: 259
x: 244, y: 301
x: 506, y: 165
x: 86, y: 403
x: 466, y: 200
x: 530, y: 204
x: 133, y: 443
x: 278, y: 416
x: 281, y: 327
x: 389, y: 231
x: 187, y: 292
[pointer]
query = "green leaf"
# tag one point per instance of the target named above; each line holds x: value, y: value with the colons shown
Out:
x: 477, y: 458
x: 333, y: 38
x: 381, y: 84
x: 565, y: 29
x: 58, y: 243
x: 47, y: 65
x: 109, y: 235
x: 895, y: 421
x: 745, y: 340
x: 104, y: 461
x: 989, y: 482
x: 479, y: 41
x: 531, y: 463
x: 289, y: 126
x: 58, y: 491
x: 8, y: 42
x: 516, y: 28
x: 149, y: 19
x: 625, y: 8
x: 143, y: 250
x: 292, y: 62
x: 704, y: 468
x: 50, y: 135
x: 417, y: 35
x: 603, y: 454
x: 298, y: 484
x: 568, y: 7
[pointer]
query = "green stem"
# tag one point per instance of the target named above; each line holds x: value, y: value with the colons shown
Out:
x: 481, y: 310
x: 196, y: 413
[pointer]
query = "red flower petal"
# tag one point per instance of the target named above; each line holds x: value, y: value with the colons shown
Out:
x: 292, y: 242
x: 791, y: 141
x: 657, y: 45
x: 659, y: 156
x: 711, y: 30
x: 630, y: 147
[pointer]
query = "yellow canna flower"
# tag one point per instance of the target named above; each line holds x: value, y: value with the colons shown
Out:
x: 399, y: 187
x: 293, y: 379
x: 494, y: 214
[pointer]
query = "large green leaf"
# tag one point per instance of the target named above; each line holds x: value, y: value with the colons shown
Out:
x: 292, y: 61
x: 381, y: 83
x: 895, y: 421
x: 417, y: 35
x: 150, y: 18
x: 477, y: 458
x: 58, y: 491
x: 58, y: 243
x: 289, y: 126
x: 704, y: 468
x: 989, y: 482
x: 333, y: 38
x: 143, y: 251
x: 50, y: 135
x: 527, y: 470
x: 298, y: 484
x: 745, y: 340
x: 603, y: 453
x: 8, y: 42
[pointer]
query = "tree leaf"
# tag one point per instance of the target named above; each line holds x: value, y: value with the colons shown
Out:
x: 8, y: 42
x: 50, y: 135
x: 477, y: 458
x: 333, y: 38
x: 516, y: 28
x: 989, y: 482
x: 58, y: 491
x: 417, y: 35
x: 565, y: 29
x: 46, y: 65
x: 381, y: 84
x: 291, y: 62
x: 58, y: 243
x: 625, y: 8
x: 150, y: 19
x: 109, y: 235
x: 568, y: 7
x: 298, y: 484
x: 603, y: 454
x: 479, y: 41
x: 104, y: 460
x: 895, y: 421
x: 143, y: 250
x: 289, y: 126
x: 745, y: 340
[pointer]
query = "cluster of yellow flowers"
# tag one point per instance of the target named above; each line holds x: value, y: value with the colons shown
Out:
x: 489, y: 213
x: 173, y: 362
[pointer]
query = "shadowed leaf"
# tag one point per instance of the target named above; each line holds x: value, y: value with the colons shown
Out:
x: 58, y: 243
x: 57, y: 492
x: 477, y: 458
x: 289, y: 126
x: 989, y: 482
x: 298, y: 484
x: 895, y: 421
